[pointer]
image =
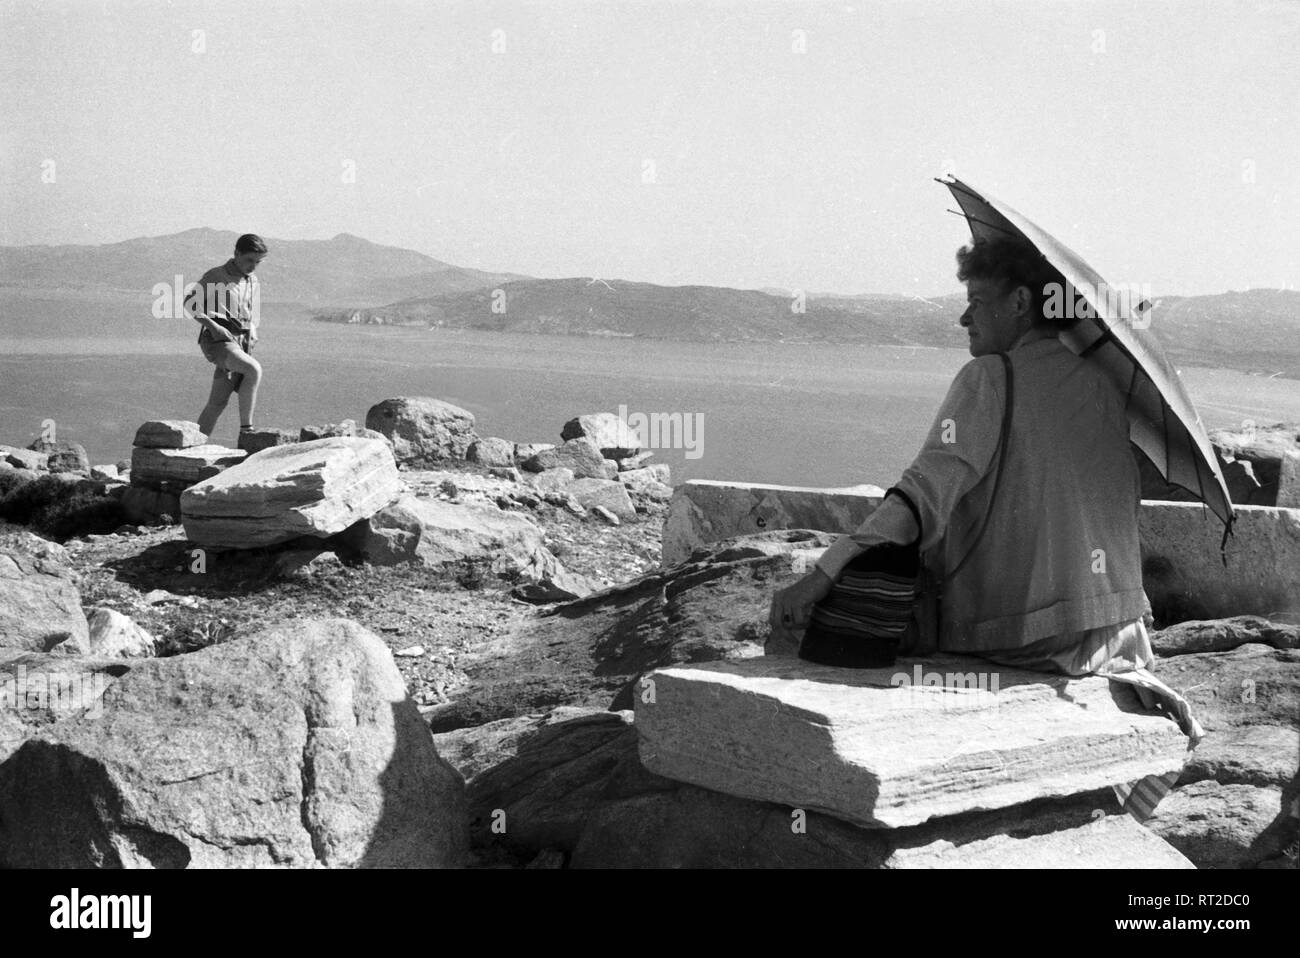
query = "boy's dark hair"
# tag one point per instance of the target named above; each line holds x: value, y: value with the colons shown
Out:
x: 1010, y: 263
x: 250, y: 243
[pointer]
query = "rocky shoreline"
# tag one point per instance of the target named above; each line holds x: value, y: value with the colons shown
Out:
x: 407, y: 645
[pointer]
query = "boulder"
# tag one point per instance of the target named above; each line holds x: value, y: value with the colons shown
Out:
x: 63, y: 456
x: 889, y: 747
x: 1258, y: 755
x: 1223, y: 635
x: 603, y: 493
x: 107, y: 473
x: 114, y: 635
x: 492, y: 451
x: 703, y: 511
x: 580, y: 455
x: 423, y: 429
x: 24, y: 458
x: 40, y: 604
x: 146, y: 506
x: 292, y: 747
x: 314, y: 489
x: 1224, y: 826
x: 38, y: 689
x: 437, y: 533
x: 612, y: 435
x: 258, y: 439
x: 153, y: 466
x: 169, y: 434
x: 1185, y: 577
x: 347, y: 427
x: 1251, y: 685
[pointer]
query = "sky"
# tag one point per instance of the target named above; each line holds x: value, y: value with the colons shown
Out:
x: 788, y: 145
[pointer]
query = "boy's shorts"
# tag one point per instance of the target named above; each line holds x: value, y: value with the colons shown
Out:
x: 216, y: 352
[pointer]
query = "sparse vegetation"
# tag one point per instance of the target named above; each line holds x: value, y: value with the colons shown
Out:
x: 59, y: 509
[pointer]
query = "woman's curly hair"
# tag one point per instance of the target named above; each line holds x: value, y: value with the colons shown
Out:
x: 1011, y: 263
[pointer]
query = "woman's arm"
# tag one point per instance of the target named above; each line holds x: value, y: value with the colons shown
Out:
x: 956, y: 455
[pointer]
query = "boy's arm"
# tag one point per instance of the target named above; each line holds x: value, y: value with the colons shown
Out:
x: 195, y: 303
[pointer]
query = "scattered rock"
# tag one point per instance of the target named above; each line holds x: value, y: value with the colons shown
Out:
x: 552, y: 481
x: 580, y: 455
x: 630, y: 463
x: 105, y: 472
x: 256, y: 440
x: 1223, y: 635
x: 411, y: 652
x: 293, y: 747
x: 509, y: 473
x: 606, y: 514
x: 603, y: 493
x: 114, y: 635
x: 423, y: 429
x: 347, y: 427
x: 492, y: 451
x: 526, y: 450
x: 63, y: 456
x: 169, y: 434
x: 314, y: 489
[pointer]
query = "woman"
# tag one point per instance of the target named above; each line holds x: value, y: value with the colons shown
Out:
x: 1055, y: 581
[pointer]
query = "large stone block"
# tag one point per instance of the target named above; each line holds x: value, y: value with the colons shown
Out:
x: 306, y: 489
x: 704, y: 511
x: 884, y: 747
x: 153, y: 466
x: 1184, y: 574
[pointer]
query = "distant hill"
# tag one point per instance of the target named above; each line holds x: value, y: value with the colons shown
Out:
x: 1255, y: 331
x: 692, y: 313
x: 338, y: 271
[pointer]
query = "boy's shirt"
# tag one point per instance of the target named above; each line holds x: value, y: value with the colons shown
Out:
x: 225, y: 291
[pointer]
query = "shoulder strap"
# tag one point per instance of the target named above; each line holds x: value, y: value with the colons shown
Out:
x: 1003, y: 440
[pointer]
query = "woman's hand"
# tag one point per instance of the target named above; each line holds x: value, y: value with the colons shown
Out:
x: 792, y: 606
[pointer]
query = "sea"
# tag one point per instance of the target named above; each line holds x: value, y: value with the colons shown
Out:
x: 809, y: 415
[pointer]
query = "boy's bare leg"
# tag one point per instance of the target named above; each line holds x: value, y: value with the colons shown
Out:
x: 238, y: 361
x: 217, y: 399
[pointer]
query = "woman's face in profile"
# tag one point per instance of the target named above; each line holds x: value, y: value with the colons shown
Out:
x: 992, y: 318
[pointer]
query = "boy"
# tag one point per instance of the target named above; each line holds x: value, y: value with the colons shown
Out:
x: 227, y: 305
